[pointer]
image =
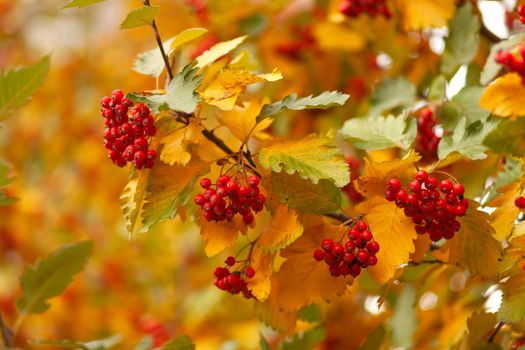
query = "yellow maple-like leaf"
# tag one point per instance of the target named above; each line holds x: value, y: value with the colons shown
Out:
x: 218, y: 50
x: 218, y: 236
x: 393, y: 231
x: 502, y: 219
x: 300, y: 271
x: 375, y: 176
x: 474, y: 246
x: 263, y: 265
x: 241, y: 121
x: 504, y: 96
x: 282, y: 231
x: 175, y: 149
x: 423, y: 14
x: 331, y: 36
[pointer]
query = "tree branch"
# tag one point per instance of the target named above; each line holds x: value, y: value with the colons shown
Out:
x: 7, y: 337
x: 493, y: 38
x: 159, y: 43
x: 495, y: 331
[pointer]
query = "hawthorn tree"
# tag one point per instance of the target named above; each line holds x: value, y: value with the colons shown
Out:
x: 387, y: 184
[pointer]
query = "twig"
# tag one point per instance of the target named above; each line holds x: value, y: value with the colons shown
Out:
x: 7, y: 337
x: 493, y: 38
x: 338, y: 216
x: 159, y: 43
x: 429, y: 262
x: 495, y: 331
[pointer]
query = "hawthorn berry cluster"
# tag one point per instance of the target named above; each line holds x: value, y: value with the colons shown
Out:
x: 520, y: 202
x: 126, y: 137
x: 423, y: 203
x: 513, y: 63
x: 357, y: 253
x: 229, y: 198
x: 234, y: 282
x: 353, y: 8
x: 427, y: 141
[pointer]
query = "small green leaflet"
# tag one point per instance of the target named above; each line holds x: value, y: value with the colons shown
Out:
x: 325, y: 100
x: 17, y: 86
x: 180, y: 343
x: 403, y: 322
x: 510, y: 173
x: 303, y: 195
x: 392, y: 93
x: 508, y: 137
x: 140, y: 17
x: 306, y: 341
x: 467, y: 139
x: 101, y: 344
x: 81, y: 3
x: 49, y: 277
x: 180, y: 94
x: 491, y: 69
x: 372, y: 133
x: 463, y: 41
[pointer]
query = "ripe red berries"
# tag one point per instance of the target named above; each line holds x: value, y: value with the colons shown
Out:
x: 520, y: 202
x: 355, y: 254
x: 427, y: 141
x: 353, y: 8
x: 125, y: 137
x: 521, y: 12
x: 513, y: 63
x: 229, y: 198
x: 423, y: 203
x: 234, y: 282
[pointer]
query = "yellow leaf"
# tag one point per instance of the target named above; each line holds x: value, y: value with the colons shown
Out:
x: 504, y: 96
x: 283, y: 230
x: 218, y: 50
x: 263, y: 265
x: 300, y: 271
x: 175, y: 150
x: 337, y: 36
x: 373, y: 181
x: 393, y: 231
x: 186, y: 36
x: 502, y: 219
x: 474, y: 247
x: 422, y: 14
x: 241, y: 121
x: 218, y: 236
x: 132, y: 200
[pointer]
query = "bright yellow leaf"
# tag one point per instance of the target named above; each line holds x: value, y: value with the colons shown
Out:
x: 504, y: 96
x: 337, y: 36
x: 241, y: 121
x: 301, y: 272
x: 218, y: 50
x: 393, y: 231
x: 218, y: 236
x: 175, y: 150
x: 263, y: 265
x: 502, y: 219
x: 132, y: 200
x: 186, y: 36
x: 283, y: 230
x: 422, y: 14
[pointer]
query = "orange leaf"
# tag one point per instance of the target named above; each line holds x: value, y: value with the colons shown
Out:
x: 504, y: 96
x: 218, y: 236
x: 283, y: 230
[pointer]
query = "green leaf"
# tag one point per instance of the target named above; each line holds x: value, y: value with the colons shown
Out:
x: 305, y: 341
x: 17, y: 86
x: 180, y: 94
x: 467, y: 140
x: 508, y: 137
x: 253, y: 25
x: 101, y: 344
x: 392, y: 93
x: 463, y: 41
x: 512, y: 307
x: 311, y: 313
x: 49, y: 277
x: 305, y: 196
x: 464, y: 104
x: 325, y: 100
x: 81, y: 3
x: 182, y: 342
x: 491, y: 68
x: 403, y: 322
x: 371, y: 133
x: 140, y: 17
x: 313, y: 158
x: 510, y: 173
x: 437, y: 91
x: 170, y: 187
x: 151, y: 62
x: 263, y: 344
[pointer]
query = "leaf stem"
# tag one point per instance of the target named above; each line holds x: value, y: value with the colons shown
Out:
x: 7, y: 336
x: 495, y: 331
x: 159, y: 43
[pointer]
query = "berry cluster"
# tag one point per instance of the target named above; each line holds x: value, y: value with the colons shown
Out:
x: 520, y: 202
x: 233, y: 282
x: 521, y: 12
x: 353, y: 8
x: 125, y: 137
x: 423, y: 203
x: 426, y: 140
x: 513, y: 63
x: 349, y: 258
x: 229, y: 198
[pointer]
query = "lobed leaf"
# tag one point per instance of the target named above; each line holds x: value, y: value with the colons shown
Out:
x: 260, y: 284
x: 510, y: 173
x: 283, y: 230
x: 140, y: 17
x: 502, y: 219
x: 132, y: 200
x: 217, y: 51
x: 218, y: 236
x: 151, y: 62
x: 512, y: 309
x: 508, y: 137
x: 175, y: 145
x: 436, y: 13
x: 241, y: 121
x: 504, y: 96
x: 392, y: 93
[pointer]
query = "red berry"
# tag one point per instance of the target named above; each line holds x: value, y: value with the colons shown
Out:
x: 361, y: 226
x: 390, y: 196
x: 373, y: 247
x: 199, y: 199
x: 230, y: 261
x: 458, y: 189
x: 372, y: 260
x: 431, y: 183
x: 421, y: 176
x: 446, y: 186
x: 205, y: 183
x: 117, y: 96
x: 520, y: 202
x: 104, y: 101
x: 394, y: 185
x: 250, y: 272
x: 151, y: 154
x: 327, y: 245
x: 247, y: 218
x: 253, y: 181
x: 318, y: 255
